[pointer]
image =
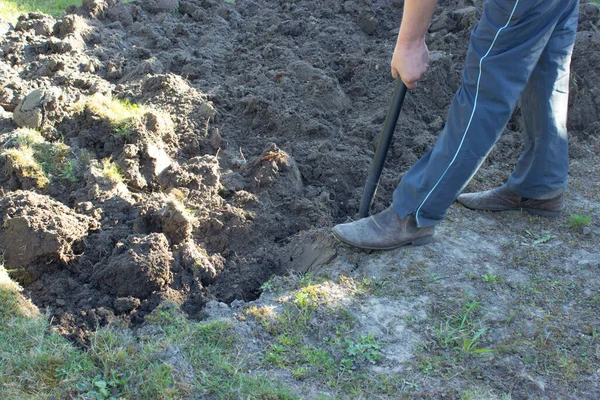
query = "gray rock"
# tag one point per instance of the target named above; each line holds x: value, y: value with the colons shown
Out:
x: 31, y: 111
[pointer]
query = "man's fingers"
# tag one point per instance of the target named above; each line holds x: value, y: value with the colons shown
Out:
x: 411, y: 85
x: 410, y: 81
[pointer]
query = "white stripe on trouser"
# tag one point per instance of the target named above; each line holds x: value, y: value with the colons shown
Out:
x: 472, y: 114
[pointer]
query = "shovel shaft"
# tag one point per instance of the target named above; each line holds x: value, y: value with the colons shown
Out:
x: 382, y: 148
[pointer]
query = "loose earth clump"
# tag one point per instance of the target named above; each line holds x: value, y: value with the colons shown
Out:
x: 37, y: 230
x: 160, y: 150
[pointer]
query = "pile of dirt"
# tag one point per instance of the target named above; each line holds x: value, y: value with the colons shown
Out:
x: 197, y: 138
x: 37, y: 231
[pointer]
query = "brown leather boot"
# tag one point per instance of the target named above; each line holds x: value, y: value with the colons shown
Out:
x: 383, y: 231
x: 502, y: 199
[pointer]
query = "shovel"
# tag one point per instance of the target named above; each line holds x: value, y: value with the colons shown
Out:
x: 382, y: 148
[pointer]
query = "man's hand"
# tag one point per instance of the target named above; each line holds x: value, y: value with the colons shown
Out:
x: 411, y: 55
x: 410, y: 62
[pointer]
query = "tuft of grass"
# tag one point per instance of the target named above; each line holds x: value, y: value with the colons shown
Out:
x: 12, y: 303
x: 34, y: 158
x: 579, y: 221
x: 120, y: 113
x: 110, y: 171
x: 22, y: 162
x: 56, y: 161
x: 492, y: 278
x: 27, y: 137
x: 464, y: 330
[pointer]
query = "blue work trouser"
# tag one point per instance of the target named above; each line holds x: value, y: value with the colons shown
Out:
x: 520, y: 49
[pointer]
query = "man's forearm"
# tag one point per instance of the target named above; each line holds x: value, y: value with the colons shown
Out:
x: 415, y: 20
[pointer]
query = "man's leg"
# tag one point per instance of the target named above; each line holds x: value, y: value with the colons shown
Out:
x: 505, y: 48
x: 541, y: 172
x: 540, y: 177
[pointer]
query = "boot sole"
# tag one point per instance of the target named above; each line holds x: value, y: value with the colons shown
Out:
x: 544, y: 213
x: 534, y: 211
x: 414, y: 242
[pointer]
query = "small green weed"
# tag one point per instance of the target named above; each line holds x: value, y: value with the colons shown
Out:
x: 268, y: 286
x: 364, y: 348
x: 538, y: 238
x: 579, y: 221
x: 410, y: 320
x: 99, y: 388
x: 492, y: 278
x: 464, y: 331
x: 111, y: 171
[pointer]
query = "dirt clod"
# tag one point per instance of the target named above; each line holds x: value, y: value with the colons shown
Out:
x: 36, y: 230
x: 138, y: 266
x: 164, y: 216
x: 126, y: 304
x: 195, y: 259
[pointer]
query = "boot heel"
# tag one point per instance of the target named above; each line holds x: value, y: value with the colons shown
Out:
x: 422, y: 240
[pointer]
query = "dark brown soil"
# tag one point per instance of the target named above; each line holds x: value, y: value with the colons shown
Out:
x: 275, y: 109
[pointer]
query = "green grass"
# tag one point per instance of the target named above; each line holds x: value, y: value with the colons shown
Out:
x: 34, y: 158
x: 37, y: 363
x: 579, y: 221
x: 321, y: 344
x: 465, y: 330
x: 492, y: 278
x: 110, y: 171
x: 22, y: 162
x: 11, y: 9
x: 120, y: 113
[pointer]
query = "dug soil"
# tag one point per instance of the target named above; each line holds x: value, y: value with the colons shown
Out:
x: 260, y: 122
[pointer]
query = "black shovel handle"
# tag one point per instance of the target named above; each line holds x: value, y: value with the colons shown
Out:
x: 382, y: 148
